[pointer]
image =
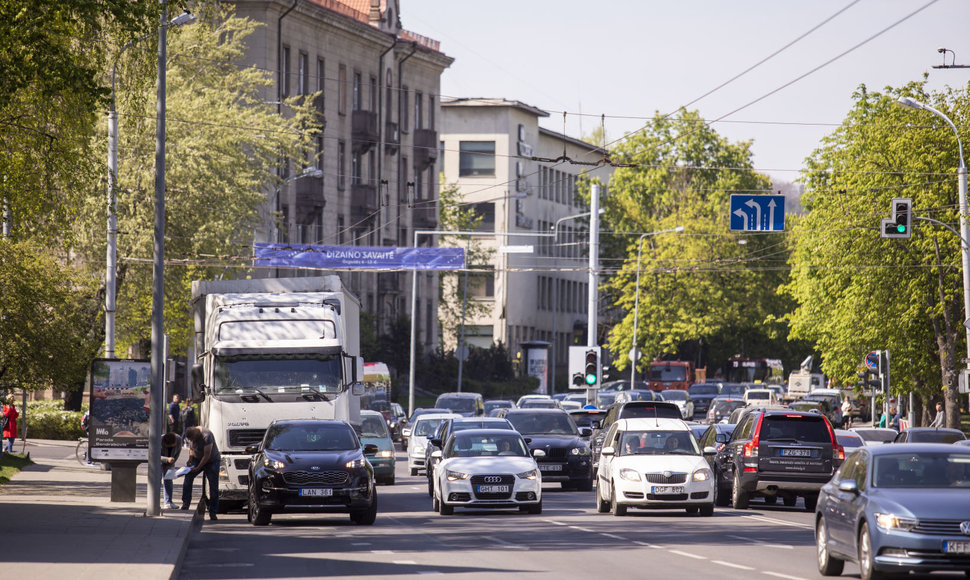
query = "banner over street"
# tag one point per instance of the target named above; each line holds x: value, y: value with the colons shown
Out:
x: 357, y: 257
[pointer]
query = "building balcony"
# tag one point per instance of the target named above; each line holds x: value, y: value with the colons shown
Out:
x: 363, y: 202
x: 392, y: 138
x: 309, y: 192
x: 425, y: 148
x: 363, y: 131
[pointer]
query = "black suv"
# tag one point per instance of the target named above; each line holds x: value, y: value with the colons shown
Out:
x: 567, y: 457
x: 778, y: 453
x: 629, y: 410
x: 702, y: 394
x: 444, y: 431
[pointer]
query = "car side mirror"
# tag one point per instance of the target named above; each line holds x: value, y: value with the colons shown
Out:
x: 435, y: 442
x: 721, y: 438
x: 710, y: 451
x: 370, y: 449
x: 608, y: 451
x: 436, y: 454
x: 538, y: 453
x: 849, y: 486
x: 253, y: 449
x: 595, y: 424
x: 406, y: 432
x: 585, y: 432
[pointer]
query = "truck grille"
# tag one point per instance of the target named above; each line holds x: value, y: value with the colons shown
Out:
x: 245, y: 437
x: 313, y: 478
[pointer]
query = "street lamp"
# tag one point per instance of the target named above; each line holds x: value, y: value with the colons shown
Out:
x: 962, y: 197
x: 111, y: 259
x: 636, y: 302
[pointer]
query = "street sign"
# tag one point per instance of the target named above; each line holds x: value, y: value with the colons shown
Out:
x: 515, y: 249
x: 758, y: 213
x: 872, y: 361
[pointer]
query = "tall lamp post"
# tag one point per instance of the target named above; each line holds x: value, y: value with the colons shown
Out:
x: 111, y: 258
x: 962, y: 197
x: 636, y: 303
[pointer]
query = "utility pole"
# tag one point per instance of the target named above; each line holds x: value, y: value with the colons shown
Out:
x: 594, y: 247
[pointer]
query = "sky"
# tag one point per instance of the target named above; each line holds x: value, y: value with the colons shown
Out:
x: 629, y: 59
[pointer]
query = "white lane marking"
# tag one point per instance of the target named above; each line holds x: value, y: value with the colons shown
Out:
x: 361, y: 544
x: 508, y: 545
x: 782, y: 522
x: 408, y: 562
x: 762, y: 543
x: 577, y: 528
x: 732, y: 565
x: 615, y: 537
x: 382, y: 551
x: 555, y: 523
x: 688, y: 554
x: 648, y: 545
x: 785, y: 576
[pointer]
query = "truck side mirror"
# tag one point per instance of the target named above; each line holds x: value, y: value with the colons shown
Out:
x: 198, y: 383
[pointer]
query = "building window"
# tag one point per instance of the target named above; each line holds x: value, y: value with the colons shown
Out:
x: 402, y: 191
x: 486, y: 211
x: 482, y: 285
x: 431, y: 101
x: 388, y: 106
x: 340, y: 229
x: 476, y: 158
x: 418, y: 183
x: 355, y: 170
x: 372, y: 169
x: 342, y: 89
x: 356, y: 94
x: 404, y: 109
x: 341, y: 163
x: 431, y: 183
x: 418, y: 110
x: 373, y: 93
x: 285, y: 63
x: 302, y: 82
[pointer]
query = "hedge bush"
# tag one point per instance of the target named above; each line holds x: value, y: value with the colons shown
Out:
x: 49, y: 420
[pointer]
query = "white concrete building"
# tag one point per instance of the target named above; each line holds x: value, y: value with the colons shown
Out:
x: 521, y: 179
x: 378, y: 152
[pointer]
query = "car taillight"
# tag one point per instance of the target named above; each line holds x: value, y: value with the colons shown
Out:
x: 750, y: 448
x: 838, y: 452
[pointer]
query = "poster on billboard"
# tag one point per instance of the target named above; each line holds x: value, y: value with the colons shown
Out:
x: 119, y: 411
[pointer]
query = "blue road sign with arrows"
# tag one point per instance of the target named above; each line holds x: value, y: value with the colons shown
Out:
x: 759, y: 213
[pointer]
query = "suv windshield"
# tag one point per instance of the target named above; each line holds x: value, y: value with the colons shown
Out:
x: 373, y: 427
x: 299, y: 437
x: 668, y: 374
x: 809, y: 428
x: 542, y: 423
x: 426, y: 427
x: 457, y: 404
x: 249, y: 374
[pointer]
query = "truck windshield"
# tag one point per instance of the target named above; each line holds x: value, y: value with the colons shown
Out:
x: 248, y: 374
x: 668, y: 374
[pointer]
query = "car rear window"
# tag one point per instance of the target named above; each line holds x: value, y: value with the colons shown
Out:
x: 806, y: 428
x: 649, y: 412
x: 703, y: 390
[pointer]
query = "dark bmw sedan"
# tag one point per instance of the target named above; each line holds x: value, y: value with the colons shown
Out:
x: 896, y: 509
x: 567, y: 457
x: 312, y: 466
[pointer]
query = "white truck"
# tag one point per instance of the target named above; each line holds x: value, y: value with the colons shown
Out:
x: 280, y: 348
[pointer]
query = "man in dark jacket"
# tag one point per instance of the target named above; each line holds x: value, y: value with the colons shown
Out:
x: 171, y: 449
x: 205, y: 458
x: 188, y: 417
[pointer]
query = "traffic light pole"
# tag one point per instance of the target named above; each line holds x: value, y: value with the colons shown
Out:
x: 592, y: 394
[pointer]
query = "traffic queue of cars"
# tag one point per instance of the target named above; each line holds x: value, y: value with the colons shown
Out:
x: 891, y: 502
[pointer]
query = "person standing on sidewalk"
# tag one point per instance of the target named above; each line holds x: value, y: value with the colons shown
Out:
x: 205, y: 456
x: 940, y: 420
x: 188, y: 416
x: 10, y: 431
x: 846, y: 412
x: 171, y: 448
x: 174, y: 415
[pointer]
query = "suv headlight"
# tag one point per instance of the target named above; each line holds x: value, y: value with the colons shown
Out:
x: 531, y: 474
x: 582, y: 450
x: 456, y: 475
x: 891, y: 522
x: 355, y: 463
x: 273, y: 463
x: 629, y: 474
x: 702, y: 474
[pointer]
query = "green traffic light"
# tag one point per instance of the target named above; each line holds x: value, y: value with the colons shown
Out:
x: 590, y: 379
x: 901, y: 228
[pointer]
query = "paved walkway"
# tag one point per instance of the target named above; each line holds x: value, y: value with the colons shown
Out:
x: 57, y: 521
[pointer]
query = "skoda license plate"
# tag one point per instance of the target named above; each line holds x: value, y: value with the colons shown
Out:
x: 954, y: 547
x: 493, y: 489
x: 321, y: 492
x: 667, y: 489
x: 550, y: 467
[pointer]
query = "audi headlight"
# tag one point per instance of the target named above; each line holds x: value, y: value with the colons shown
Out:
x: 702, y: 474
x: 456, y: 475
x: 579, y: 450
x: 385, y: 454
x: 532, y: 474
x: 629, y: 474
x: 273, y: 463
x: 356, y: 463
x: 891, y: 522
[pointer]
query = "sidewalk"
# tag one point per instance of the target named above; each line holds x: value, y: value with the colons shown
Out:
x: 57, y: 521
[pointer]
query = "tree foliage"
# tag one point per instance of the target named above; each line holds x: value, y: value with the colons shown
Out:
x: 224, y: 143
x: 699, y: 284
x: 858, y: 292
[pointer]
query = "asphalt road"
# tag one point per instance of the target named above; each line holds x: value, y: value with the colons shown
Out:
x: 568, y: 540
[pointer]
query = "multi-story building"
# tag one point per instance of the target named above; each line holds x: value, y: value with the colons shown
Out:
x: 375, y: 178
x: 522, y: 180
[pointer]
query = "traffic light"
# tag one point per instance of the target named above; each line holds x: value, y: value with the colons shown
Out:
x: 900, y: 224
x: 591, y: 373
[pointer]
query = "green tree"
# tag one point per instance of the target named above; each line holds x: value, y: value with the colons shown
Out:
x: 857, y: 291
x: 224, y: 143
x: 699, y: 284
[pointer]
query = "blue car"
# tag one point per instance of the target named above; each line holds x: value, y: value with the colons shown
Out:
x: 896, y: 509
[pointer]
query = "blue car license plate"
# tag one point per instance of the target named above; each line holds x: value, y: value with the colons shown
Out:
x: 317, y: 492
x: 956, y: 547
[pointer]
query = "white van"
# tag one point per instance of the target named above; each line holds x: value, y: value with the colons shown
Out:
x: 761, y: 396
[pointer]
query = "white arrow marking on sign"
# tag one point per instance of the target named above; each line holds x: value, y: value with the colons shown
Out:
x: 771, y: 215
x: 744, y: 217
x: 757, y: 212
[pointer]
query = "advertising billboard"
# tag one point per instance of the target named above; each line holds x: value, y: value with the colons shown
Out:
x: 120, y: 398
